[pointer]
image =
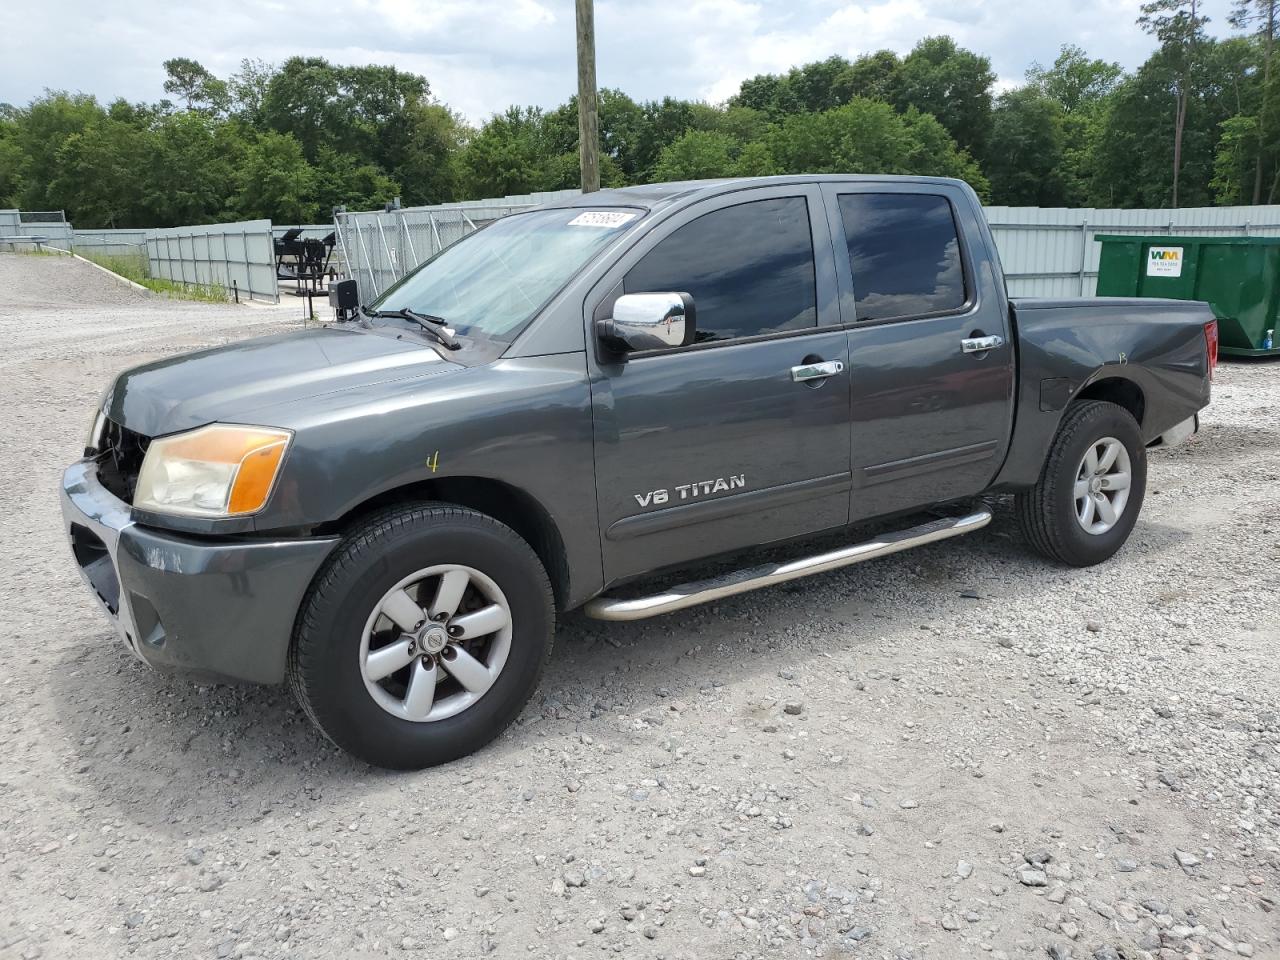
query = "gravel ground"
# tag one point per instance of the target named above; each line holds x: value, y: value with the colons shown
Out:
x: 958, y: 751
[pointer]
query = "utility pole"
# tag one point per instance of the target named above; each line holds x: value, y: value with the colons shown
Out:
x: 588, y: 119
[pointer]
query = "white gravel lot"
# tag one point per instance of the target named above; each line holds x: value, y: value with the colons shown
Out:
x: 958, y: 751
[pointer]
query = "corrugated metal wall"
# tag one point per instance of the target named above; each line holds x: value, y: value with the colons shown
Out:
x: 1051, y: 252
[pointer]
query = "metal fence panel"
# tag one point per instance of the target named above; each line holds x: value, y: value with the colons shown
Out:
x: 50, y: 225
x: 1051, y: 252
x: 110, y: 243
x: 239, y: 256
x: 1046, y: 252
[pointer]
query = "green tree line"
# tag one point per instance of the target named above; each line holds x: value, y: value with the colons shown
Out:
x: 1196, y: 124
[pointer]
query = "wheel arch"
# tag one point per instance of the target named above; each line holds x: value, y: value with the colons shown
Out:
x: 503, y: 501
x: 1121, y: 391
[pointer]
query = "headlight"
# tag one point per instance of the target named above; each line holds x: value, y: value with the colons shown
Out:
x: 215, y: 471
x: 97, y: 431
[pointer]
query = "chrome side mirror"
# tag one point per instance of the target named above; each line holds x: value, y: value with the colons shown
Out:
x: 649, y: 321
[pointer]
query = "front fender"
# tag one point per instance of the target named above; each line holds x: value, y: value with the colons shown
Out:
x: 523, y: 422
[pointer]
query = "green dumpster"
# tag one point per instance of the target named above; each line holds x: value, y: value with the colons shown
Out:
x: 1239, y: 277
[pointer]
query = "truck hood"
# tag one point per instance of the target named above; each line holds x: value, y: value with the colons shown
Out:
x: 226, y: 383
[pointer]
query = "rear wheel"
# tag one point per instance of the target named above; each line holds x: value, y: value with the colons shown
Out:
x: 423, y: 636
x: 1090, y: 491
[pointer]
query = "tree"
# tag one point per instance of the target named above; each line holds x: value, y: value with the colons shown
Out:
x: 11, y: 159
x: 951, y: 83
x: 621, y: 121
x: 666, y: 121
x: 40, y: 132
x: 1260, y: 16
x: 362, y: 110
x: 101, y: 174
x: 506, y: 156
x: 342, y: 180
x: 275, y: 181
x: 868, y: 136
x: 823, y: 84
x: 875, y: 76
x: 1082, y: 87
x: 1179, y: 27
x: 428, y: 166
x: 1025, y: 162
x: 1133, y: 151
x: 190, y: 175
x: 767, y: 93
x: 1075, y: 81
x: 200, y: 89
x: 697, y: 155
x: 248, y: 88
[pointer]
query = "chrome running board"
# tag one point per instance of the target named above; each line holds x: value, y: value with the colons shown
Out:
x: 766, y: 575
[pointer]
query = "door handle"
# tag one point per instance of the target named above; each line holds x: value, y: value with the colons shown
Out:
x: 816, y: 371
x: 981, y: 344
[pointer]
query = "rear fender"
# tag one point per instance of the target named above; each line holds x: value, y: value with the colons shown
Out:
x: 1149, y: 356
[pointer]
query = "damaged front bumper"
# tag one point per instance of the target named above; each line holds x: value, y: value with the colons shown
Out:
x: 223, y: 607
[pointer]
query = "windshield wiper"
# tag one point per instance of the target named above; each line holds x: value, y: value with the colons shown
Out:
x: 437, y: 327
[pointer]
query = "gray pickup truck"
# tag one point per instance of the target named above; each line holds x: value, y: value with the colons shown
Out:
x: 390, y: 510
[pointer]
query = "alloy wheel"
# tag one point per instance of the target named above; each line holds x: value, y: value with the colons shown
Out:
x: 435, y: 643
x: 1102, y: 485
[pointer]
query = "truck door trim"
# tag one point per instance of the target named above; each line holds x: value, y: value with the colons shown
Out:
x: 912, y: 466
x: 687, y: 514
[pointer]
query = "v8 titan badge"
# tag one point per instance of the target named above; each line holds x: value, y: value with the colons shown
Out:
x: 1164, y: 262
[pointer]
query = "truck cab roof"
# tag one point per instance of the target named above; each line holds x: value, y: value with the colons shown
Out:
x: 654, y: 196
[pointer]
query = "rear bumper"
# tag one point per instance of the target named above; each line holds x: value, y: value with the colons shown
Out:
x: 219, y: 607
x: 1248, y: 351
x: 1179, y: 432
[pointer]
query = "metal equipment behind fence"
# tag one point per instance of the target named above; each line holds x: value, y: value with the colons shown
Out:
x: 305, y: 260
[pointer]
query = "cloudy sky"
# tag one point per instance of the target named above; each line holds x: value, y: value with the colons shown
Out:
x: 482, y: 55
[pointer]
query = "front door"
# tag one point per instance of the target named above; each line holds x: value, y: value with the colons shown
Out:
x: 739, y: 438
x: 932, y: 409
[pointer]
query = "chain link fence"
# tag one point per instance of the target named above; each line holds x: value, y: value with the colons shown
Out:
x: 378, y: 247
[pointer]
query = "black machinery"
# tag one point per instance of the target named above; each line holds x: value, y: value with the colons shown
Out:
x: 344, y: 297
x: 305, y: 260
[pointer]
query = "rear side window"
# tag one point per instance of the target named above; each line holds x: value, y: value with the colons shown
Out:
x: 904, y: 253
x: 749, y: 269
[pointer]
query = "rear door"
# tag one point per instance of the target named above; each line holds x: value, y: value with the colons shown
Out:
x: 737, y: 439
x: 930, y: 357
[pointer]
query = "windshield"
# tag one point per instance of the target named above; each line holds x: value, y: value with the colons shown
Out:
x: 492, y: 282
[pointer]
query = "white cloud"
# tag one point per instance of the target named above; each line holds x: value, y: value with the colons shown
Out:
x: 483, y: 55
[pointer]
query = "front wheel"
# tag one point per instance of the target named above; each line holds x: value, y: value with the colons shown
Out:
x: 423, y: 636
x: 1090, y: 491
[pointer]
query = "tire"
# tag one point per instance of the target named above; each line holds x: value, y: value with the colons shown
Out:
x: 343, y: 625
x: 1051, y: 517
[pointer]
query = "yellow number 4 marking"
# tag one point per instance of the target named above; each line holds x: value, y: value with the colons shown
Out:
x: 433, y: 461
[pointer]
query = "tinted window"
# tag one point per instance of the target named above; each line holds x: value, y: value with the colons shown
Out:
x: 904, y: 254
x: 749, y: 269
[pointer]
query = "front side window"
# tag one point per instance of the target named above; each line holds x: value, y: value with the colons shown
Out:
x: 492, y: 282
x: 904, y: 253
x: 749, y: 269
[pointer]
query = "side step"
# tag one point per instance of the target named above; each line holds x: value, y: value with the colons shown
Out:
x: 766, y: 575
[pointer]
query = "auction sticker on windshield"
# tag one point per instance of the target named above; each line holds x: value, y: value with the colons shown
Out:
x: 601, y: 218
